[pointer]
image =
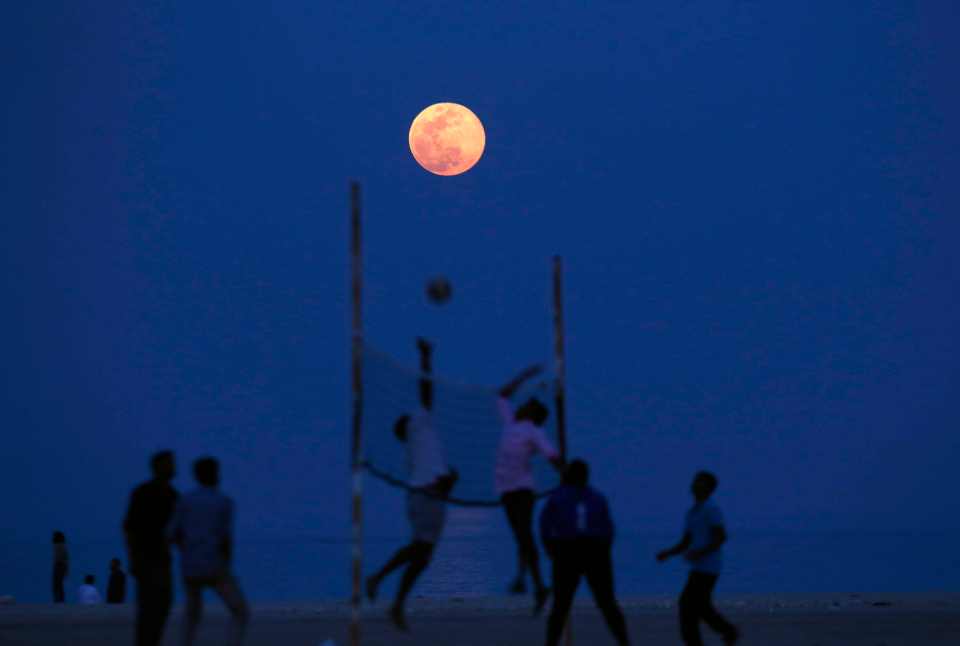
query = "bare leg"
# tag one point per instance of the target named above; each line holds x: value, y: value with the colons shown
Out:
x: 401, y: 557
x: 419, y: 561
x: 229, y: 591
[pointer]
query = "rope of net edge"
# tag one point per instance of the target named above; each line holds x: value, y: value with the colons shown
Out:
x: 453, y: 500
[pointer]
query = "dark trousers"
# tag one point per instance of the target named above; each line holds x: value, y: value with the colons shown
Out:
x: 571, y: 561
x: 59, y: 574
x: 696, y: 604
x: 154, y: 598
x: 518, y: 506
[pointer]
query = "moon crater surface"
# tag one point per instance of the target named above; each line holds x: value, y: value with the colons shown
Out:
x: 447, y: 139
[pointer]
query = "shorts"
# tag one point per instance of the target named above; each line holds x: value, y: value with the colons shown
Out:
x: 427, y: 516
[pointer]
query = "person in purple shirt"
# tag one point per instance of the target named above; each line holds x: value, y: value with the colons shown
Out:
x: 701, y: 545
x: 202, y: 526
x: 522, y: 439
x: 577, y: 533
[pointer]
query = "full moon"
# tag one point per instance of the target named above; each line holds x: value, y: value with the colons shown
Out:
x: 447, y: 139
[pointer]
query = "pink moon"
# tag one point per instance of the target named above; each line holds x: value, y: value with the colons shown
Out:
x: 447, y: 139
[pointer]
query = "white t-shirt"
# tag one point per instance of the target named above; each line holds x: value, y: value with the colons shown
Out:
x: 519, y: 442
x: 425, y: 458
x: 87, y: 595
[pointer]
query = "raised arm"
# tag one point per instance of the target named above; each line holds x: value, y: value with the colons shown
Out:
x: 426, y: 373
x: 511, y: 387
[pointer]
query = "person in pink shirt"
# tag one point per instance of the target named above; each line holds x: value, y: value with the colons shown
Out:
x: 522, y: 439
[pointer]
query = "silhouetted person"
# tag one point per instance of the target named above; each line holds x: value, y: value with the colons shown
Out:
x: 202, y: 526
x: 703, y: 536
x: 87, y: 594
x: 61, y: 566
x: 145, y: 525
x: 577, y: 532
x: 117, y: 583
x: 522, y: 438
x: 430, y: 483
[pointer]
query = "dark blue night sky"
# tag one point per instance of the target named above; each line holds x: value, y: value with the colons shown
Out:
x: 757, y: 205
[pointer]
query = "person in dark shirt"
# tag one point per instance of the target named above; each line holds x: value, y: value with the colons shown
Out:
x: 61, y: 566
x: 117, y: 583
x: 149, y: 512
x: 577, y: 533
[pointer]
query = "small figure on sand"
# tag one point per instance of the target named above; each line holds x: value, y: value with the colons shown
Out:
x: 117, y: 583
x: 87, y: 594
x: 577, y: 531
x: 522, y: 438
x: 148, y: 551
x: 61, y: 566
x: 703, y: 537
x: 202, y: 526
x: 430, y: 482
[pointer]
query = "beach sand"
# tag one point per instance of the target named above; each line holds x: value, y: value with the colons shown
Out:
x: 801, y: 620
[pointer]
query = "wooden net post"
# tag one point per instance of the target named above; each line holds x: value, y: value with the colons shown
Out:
x: 356, y: 446
x: 559, y: 354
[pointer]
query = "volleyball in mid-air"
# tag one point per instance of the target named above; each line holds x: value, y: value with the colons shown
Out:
x: 439, y: 290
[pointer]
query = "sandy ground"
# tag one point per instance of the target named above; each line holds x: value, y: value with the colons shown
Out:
x: 821, y: 620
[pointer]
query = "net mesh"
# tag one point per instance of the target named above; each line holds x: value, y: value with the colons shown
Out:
x: 465, y: 419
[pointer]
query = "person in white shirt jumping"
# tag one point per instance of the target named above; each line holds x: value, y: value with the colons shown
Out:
x: 431, y: 481
x: 521, y: 440
x: 87, y: 594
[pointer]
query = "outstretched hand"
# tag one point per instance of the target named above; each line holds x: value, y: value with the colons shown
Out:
x: 663, y: 555
x: 533, y: 370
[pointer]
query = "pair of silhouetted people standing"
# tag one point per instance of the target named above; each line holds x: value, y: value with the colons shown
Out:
x: 577, y: 532
x: 201, y: 524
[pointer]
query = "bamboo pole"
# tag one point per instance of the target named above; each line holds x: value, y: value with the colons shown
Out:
x: 356, y: 446
x: 559, y: 356
x: 560, y: 402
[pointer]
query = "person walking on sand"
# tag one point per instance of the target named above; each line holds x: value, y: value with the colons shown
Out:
x: 148, y: 552
x: 61, y: 566
x: 703, y: 537
x: 202, y: 526
x: 431, y: 481
x: 577, y: 531
x: 117, y: 583
x: 522, y: 438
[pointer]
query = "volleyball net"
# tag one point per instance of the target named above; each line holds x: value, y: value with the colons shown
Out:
x: 465, y: 418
